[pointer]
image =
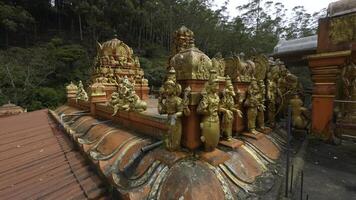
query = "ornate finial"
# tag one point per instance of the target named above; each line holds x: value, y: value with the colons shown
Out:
x: 228, y: 81
x: 183, y: 39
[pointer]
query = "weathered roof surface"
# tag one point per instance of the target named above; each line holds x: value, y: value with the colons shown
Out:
x: 137, y: 171
x: 296, y: 45
x: 38, y: 161
x: 341, y: 7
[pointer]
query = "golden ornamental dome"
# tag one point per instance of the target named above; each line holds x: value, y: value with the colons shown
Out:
x: 71, y: 86
x: 191, y: 64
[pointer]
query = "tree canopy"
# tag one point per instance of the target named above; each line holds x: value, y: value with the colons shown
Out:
x: 46, y: 43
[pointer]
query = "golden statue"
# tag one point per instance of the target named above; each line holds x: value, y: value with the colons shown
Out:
x: 126, y: 99
x: 239, y: 68
x: 252, y: 103
x: 261, y: 107
x: 171, y: 104
x: 81, y: 94
x: 228, y: 107
x: 209, y: 108
x: 300, y: 115
x: 261, y: 66
x: 219, y: 65
x: 271, y: 99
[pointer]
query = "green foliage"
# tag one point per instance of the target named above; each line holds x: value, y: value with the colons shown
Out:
x: 26, y: 72
x: 45, y: 44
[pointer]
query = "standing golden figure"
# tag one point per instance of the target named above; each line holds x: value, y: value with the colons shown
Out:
x: 175, y: 107
x: 228, y: 107
x: 252, y: 103
x: 209, y: 108
x: 261, y: 107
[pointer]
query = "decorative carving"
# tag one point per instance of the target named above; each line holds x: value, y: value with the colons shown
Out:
x: 175, y: 107
x: 261, y: 66
x: 228, y: 106
x: 114, y: 61
x: 343, y: 29
x: 126, y: 99
x: 81, y: 94
x: 239, y: 68
x: 209, y: 108
x: 72, y: 90
x: 97, y: 89
x: 189, y: 62
x: 218, y: 65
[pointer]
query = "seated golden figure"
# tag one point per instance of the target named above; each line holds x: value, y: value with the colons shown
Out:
x: 126, y: 99
x: 81, y: 94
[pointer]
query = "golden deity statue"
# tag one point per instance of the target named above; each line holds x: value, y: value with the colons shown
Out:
x: 126, y: 99
x: 209, y: 108
x: 81, y: 94
x: 261, y: 108
x: 300, y: 115
x: 253, y: 104
x: 239, y: 68
x: 271, y: 94
x: 175, y: 107
x: 219, y: 65
x: 228, y: 107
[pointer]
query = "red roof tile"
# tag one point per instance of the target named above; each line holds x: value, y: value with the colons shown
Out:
x: 37, y: 161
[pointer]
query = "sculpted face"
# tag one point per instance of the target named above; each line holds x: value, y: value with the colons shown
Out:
x: 215, y: 87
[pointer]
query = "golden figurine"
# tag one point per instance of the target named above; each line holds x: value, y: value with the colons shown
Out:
x: 171, y: 104
x: 261, y: 107
x: 271, y: 93
x: 81, y: 94
x: 228, y: 107
x: 300, y: 115
x: 209, y: 108
x: 218, y: 64
x: 252, y: 103
x: 126, y: 99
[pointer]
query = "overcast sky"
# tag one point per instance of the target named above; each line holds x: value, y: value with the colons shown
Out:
x: 310, y: 5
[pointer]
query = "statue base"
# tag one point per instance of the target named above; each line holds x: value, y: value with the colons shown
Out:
x: 251, y: 135
x: 215, y: 157
x: 233, y: 143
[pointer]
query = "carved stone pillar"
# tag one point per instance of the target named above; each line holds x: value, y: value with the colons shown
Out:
x: 325, y: 68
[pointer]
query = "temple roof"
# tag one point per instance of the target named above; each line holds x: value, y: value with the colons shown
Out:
x: 341, y: 7
x: 124, y: 149
x: 296, y: 45
x: 10, y: 109
x: 39, y: 161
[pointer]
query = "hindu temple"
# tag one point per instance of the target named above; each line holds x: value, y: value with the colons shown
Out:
x: 219, y: 127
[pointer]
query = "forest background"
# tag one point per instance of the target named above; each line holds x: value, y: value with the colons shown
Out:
x: 44, y: 44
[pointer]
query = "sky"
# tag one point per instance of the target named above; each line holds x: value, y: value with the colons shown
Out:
x: 311, y: 6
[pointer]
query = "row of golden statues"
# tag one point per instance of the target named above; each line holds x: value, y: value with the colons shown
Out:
x: 271, y: 88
